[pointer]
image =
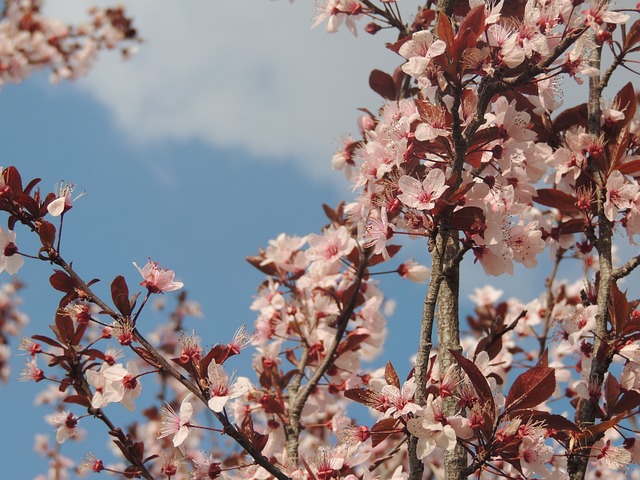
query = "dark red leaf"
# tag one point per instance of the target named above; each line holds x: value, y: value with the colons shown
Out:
x: 352, y: 342
x: 382, y: 83
x: 477, y: 379
x: 531, y: 388
x: 47, y: 233
x: 29, y: 204
x: 120, y: 295
x: 611, y: 391
x: 47, y: 340
x: 382, y: 429
x: 625, y: 102
x: 64, y: 328
x: 619, y: 309
x: 62, y: 282
x: 629, y: 400
x: 633, y: 35
x: 556, y: 199
x: 219, y: 353
x: 629, y: 168
x: 392, y: 250
x: 268, y: 269
x: 469, y: 220
x: 30, y: 185
x: 571, y: 117
x: 445, y: 31
x: 78, y: 399
x: 362, y: 395
x: 12, y: 179
x: 549, y: 420
x: 391, y: 376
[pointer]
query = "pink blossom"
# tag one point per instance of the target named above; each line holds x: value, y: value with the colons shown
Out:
x: 176, y: 424
x: 401, y: 400
x: 534, y: 454
x: 327, y: 249
x: 620, y: 195
x: 377, y: 232
x: 66, y: 425
x: 422, y: 195
x: 222, y: 388
x: 122, y: 385
x: 156, y: 279
x: 419, y: 51
x: 413, y: 271
x: 63, y: 202
x: 10, y: 259
x: 430, y: 430
x: 206, y: 469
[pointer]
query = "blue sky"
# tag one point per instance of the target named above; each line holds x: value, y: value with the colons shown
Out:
x: 213, y: 139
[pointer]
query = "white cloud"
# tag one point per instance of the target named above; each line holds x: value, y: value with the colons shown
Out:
x: 247, y: 74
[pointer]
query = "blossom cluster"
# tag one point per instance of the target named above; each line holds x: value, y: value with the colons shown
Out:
x: 470, y: 153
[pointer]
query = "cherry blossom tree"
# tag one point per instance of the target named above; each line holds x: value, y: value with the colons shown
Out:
x: 471, y: 154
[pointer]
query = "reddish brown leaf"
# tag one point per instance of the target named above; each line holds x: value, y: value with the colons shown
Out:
x: 633, y: 36
x: 556, y: 199
x: 64, y: 328
x: 548, y: 420
x: 531, y: 388
x: 47, y: 233
x: 29, y: 204
x: 392, y: 250
x: 268, y: 269
x: 362, y: 395
x: 445, y: 31
x: 629, y: 168
x: 382, y: 429
x: 629, y: 400
x: 47, y: 340
x: 625, y: 102
x: 574, y: 116
x: 120, y: 295
x: 352, y: 342
x: 474, y: 22
x: 595, y: 430
x: 78, y: 399
x: 469, y: 220
x: 575, y: 225
x: 219, y: 353
x: 477, y: 379
x: 30, y: 186
x: 12, y: 179
x: 619, y: 309
x: 611, y: 391
x: 391, y: 375
x: 62, y: 282
x: 382, y: 83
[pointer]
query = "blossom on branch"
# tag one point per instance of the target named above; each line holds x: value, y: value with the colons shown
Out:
x: 10, y: 259
x: 156, y: 279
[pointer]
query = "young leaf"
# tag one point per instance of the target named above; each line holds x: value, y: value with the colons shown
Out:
x: 477, y: 379
x: 531, y: 388
x: 391, y: 376
x: 120, y: 295
x: 382, y: 83
x: 382, y: 429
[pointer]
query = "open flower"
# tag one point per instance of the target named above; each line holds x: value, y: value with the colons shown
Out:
x: 64, y: 202
x: 223, y: 388
x: 156, y: 279
x: 176, y: 424
x: 10, y: 260
x: 422, y: 195
x: 66, y: 425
